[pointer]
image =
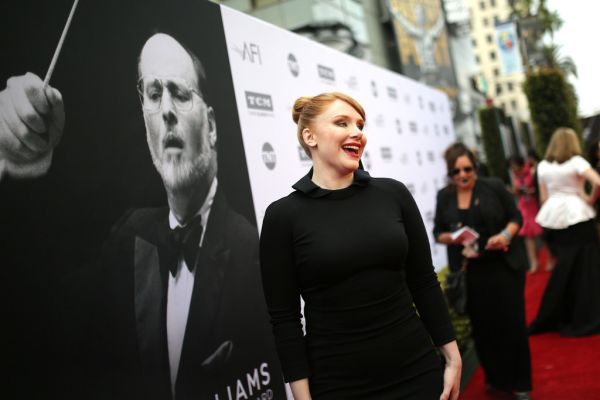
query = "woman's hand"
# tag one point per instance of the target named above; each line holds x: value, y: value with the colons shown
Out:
x: 497, y: 242
x: 452, y: 371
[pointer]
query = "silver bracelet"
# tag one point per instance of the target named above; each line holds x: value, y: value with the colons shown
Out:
x: 506, y: 234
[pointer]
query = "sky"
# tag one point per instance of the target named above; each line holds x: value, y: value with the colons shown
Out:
x: 578, y: 39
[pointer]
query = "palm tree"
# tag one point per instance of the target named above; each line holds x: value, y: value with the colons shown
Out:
x: 553, y: 59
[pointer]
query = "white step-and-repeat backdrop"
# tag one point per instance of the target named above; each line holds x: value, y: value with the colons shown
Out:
x: 408, y: 124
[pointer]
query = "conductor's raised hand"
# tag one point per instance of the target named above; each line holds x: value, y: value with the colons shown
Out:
x: 32, y: 120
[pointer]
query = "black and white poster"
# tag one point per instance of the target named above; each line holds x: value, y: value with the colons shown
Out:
x: 158, y: 114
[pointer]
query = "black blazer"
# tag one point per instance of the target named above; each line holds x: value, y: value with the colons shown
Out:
x: 492, y: 208
x: 119, y: 346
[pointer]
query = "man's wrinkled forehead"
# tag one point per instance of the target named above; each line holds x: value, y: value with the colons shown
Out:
x: 163, y: 56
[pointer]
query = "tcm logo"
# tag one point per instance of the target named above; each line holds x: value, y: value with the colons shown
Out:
x: 430, y: 156
x: 293, y: 65
x: 386, y: 153
x: 392, y: 94
x: 268, y: 156
x: 446, y: 130
x: 421, y: 105
x: 432, y: 107
x: 419, y: 158
x: 259, y: 101
x: 412, y: 127
x: 326, y: 73
x: 398, y: 126
x: 250, y: 52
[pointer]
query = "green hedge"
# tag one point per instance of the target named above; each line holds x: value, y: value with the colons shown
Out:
x: 489, y: 119
x: 552, y: 104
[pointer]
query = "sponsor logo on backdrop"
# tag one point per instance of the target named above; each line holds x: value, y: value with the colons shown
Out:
x: 379, y: 121
x: 374, y: 88
x: 259, y: 103
x: 352, y: 82
x: 429, y: 216
x: 304, y: 158
x: 419, y: 158
x: 432, y: 107
x: 404, y: 158
x: 446, y: 130
x: 431, y: 156
x: 420, y: 102
x: 412, y: 127
x: 386, y: 154
x: 249, y: 52
x: 268, y: 156
x: 293, y: 65
x: 398, y: 126
x: 392, y: 94
x: 253, y: 385
x: 411, y: 188
x: 366, y: 159
x: 327, y: 74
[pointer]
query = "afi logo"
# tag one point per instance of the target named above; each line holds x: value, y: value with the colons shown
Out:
x: 268, y: 156
x: 250, y: 52
x: 259, y: 101
x: 412, y: 126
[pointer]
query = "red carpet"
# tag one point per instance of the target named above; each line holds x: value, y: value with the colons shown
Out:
x: 563, y: 368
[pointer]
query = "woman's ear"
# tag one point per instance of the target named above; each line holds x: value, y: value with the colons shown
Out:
x: 309, y: 137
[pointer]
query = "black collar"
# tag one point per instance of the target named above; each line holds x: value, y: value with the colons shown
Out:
x: 308, y: 187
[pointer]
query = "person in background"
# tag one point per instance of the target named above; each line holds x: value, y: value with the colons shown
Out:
x: 495, y: 269
x: 594, y: 158
x: 571, y: 301
x: 524, y: 188
x: 356, y: 250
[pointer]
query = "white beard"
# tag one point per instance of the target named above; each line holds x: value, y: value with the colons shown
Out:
x: 178, y: 175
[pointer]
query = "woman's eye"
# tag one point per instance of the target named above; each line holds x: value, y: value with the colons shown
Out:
x: 341, y: 123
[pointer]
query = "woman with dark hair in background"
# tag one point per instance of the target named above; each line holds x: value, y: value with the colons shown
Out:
x: 523, y: 186
x: 356, y: 250
x: 495, y: 267
x: 571, y: 302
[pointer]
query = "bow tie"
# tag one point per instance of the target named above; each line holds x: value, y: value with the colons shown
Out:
x: 184, y: 241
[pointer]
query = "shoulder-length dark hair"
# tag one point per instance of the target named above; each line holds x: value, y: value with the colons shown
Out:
x: 456, y: 150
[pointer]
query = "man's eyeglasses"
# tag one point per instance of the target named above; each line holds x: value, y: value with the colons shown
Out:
x: 456, y: 171
x: 151, y: 89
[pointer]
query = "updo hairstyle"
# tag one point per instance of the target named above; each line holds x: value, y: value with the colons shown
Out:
x: 307, y: 108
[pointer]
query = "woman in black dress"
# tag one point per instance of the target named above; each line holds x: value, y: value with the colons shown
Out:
x: 495, y: 269
x: 356, y: 250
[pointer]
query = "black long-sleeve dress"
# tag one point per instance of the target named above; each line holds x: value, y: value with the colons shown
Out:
x: 359, y: 257
x: 495, y: 282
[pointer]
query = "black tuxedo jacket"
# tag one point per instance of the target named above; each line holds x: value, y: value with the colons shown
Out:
x: 491, y: 209
x: 117, y: 317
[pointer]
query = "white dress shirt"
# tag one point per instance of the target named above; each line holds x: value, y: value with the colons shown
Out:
x: 564, y: 206
x: 180, y: 292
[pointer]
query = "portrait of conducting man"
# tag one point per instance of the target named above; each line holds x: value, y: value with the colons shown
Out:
x: 171, y: 306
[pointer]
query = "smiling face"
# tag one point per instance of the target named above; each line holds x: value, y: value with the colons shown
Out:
x: 181, y: 132
x: 463, y: 173
x: 335, y: 138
